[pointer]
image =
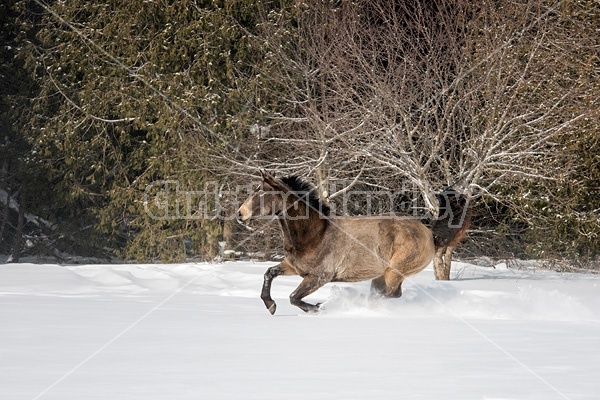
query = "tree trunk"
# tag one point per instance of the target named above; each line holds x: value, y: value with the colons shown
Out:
x: 228, y: 233
x: 5, y: 215
x: 16, y: 253
x: 268, y: 245
x: 442, y: 262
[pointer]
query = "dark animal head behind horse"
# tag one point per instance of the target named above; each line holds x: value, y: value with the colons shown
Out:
x: 454, y: 218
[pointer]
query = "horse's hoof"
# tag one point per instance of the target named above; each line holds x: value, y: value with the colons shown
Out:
x: 316, y: 308
x: 272, y: 307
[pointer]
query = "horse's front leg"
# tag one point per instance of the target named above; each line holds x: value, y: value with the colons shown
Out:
x: 309, y: 284
x: 283, y: 268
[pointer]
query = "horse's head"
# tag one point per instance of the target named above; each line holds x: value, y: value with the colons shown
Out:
x: 265, y: 202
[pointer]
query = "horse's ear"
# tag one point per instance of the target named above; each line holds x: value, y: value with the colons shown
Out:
x: 269, y: 180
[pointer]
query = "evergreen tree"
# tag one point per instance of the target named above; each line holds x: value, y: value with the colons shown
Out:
x: 128, y: 93
x: 23, y: 179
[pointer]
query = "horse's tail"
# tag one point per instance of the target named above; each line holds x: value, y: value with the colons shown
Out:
x: 453, y: 221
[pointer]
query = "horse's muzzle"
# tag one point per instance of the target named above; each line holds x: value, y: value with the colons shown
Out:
x: 245, y: 223
x: 239, y: 219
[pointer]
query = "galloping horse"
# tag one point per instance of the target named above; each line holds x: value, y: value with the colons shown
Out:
x: 323, y: 249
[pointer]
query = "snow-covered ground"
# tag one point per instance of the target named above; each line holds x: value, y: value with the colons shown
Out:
x: 200, y: 331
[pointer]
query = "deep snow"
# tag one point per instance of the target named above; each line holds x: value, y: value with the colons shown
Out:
x: 200, y: 331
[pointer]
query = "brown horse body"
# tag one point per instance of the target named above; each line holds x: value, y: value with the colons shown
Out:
x: 322, y: 249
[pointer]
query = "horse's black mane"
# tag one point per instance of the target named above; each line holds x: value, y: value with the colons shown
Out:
x: 307, y: 193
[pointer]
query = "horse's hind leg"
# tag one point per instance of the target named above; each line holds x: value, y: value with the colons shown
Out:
x: 389, y: 284
x: 283, y: 268
x: 308, y: 285
x: 393, y: 283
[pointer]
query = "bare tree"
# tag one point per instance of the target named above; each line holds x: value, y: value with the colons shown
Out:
x: 435, y: 94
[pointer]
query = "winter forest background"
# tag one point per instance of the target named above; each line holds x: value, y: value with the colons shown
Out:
x: 112, y: 113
